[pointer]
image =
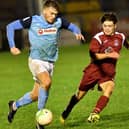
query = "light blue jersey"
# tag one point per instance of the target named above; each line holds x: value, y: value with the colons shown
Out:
x: 42, y: 35
x: 43, y: 39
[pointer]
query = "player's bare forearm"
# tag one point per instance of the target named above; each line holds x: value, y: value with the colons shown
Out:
x: 113, y: 54
x: 101, y: 56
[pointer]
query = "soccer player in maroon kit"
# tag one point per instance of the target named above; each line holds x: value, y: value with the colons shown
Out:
x: 104, y: 51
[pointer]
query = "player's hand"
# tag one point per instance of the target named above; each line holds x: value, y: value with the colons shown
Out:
x: 114, y: 55
x: 15, y: 51
x: 80, y: 37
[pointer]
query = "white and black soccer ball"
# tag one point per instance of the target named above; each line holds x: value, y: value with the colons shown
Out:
x: 44, y: 117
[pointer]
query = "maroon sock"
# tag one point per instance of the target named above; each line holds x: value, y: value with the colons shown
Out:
x: 101, y: 103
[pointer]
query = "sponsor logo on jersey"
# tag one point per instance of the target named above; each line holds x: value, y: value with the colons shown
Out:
x: 47, y: 31
x: 108, y: 50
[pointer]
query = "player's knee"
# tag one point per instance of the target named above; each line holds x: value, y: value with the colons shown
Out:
x: 111, y: 85
x: 46, y: 84
x: 80, y: 94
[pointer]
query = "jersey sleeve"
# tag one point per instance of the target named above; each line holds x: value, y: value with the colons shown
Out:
x: 94, y: 48
x: 126, y: 44
x: 26, y: 22
x: 10, y: 31
x: 65, y: 23
x: 16, y: 25
x: 124, y: 41
x: 70, y: 26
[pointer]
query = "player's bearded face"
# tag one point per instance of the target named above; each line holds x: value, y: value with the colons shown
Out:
x: 50, y: 14
x: 108, y: 27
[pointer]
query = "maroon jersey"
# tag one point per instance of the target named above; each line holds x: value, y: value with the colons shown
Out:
x: 102, y: 43
x: 99, y: 71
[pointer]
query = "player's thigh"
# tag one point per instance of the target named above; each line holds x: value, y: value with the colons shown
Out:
x: 38, y: 66
x: 90, y: 77
x: 88, y: 81
x: 42, y: 71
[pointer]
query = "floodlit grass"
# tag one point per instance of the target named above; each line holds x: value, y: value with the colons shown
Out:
x: 16, y: 79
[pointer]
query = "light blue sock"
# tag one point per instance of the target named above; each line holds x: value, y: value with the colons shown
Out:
x: 26, y: 99
x: 42, y: 98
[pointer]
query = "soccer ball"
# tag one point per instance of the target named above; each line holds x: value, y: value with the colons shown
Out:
x: 44, y: 117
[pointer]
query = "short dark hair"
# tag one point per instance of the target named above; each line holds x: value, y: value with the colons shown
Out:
x: 109, y: 17
x: 51, y: 3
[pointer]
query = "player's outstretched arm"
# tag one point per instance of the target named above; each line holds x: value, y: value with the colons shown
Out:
x: 75, y: 29
x: 15, y: 25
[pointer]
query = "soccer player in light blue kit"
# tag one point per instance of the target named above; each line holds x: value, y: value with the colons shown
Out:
x: 43, y: 34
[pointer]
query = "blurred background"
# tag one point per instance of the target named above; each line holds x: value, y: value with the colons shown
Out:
x: 85, y: 13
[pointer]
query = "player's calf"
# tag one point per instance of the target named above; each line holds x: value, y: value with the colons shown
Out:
x: 66, y: 112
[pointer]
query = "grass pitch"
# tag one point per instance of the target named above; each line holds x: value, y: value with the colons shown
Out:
x: 16, y: 79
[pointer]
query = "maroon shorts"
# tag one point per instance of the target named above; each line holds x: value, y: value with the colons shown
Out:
x: 92, y: 76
